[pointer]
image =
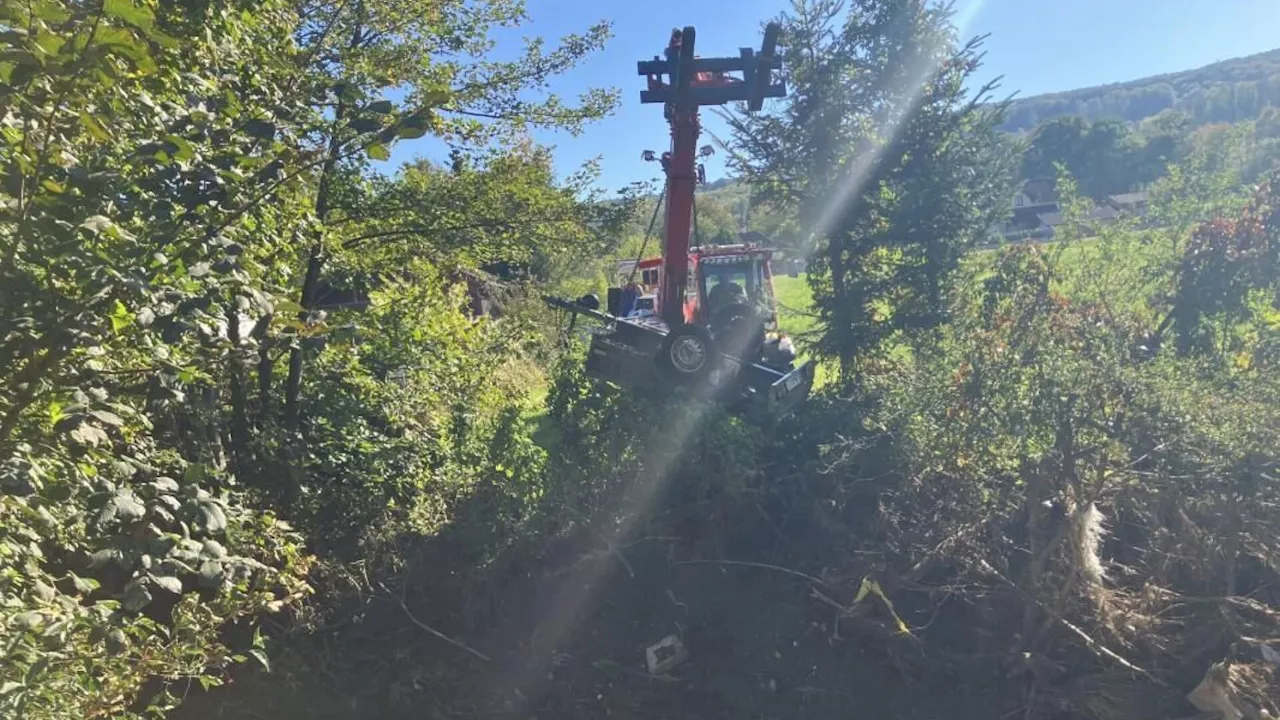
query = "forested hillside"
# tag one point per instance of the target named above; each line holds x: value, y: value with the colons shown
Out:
x: 1112, y: 139
x: 285, y: 437
x: 1224, y: 92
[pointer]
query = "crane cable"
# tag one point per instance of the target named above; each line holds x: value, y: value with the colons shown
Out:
x: 647, y: 234
x: 697, y: 236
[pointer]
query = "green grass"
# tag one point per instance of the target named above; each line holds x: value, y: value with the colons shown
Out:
x: 794, y: 298
x: 796, y: 319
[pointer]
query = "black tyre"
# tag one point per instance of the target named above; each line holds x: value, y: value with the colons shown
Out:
x: 687, y: 355
x: 739, y: 332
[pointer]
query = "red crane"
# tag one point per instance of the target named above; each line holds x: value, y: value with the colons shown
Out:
x: 712, y: 343
x: 694, y: 82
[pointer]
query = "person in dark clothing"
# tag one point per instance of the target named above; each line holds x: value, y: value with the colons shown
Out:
x: 725, y: 293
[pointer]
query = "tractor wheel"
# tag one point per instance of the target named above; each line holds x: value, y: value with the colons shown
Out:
x: 739, y: 332
x: 687, y: 355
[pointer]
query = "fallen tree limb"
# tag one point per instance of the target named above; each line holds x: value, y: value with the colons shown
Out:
x: 1092, y: 644
x: 442, y: 636
x: 413, y: 619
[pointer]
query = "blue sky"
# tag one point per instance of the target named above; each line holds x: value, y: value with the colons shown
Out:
x: 1036, y: 45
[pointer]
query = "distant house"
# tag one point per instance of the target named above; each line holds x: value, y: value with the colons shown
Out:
x: 1037, y: 191
x: 1036, y: 199
x: 1037, y: 214
x: 1134, y: 203
x: 1050, y: 219
x: 1099, y: 216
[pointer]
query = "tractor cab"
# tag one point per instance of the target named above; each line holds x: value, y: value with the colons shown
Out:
x: 732, y: 279
x: 730, y: 292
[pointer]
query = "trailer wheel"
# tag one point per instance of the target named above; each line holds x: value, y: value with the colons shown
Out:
x: 687, y: 354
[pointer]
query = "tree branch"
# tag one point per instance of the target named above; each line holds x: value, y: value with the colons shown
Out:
x: 456, y: 643
x: 426, y: 230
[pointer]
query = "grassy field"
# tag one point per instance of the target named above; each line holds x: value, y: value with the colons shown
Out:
x: 796, y: 319
x: 793, y: 300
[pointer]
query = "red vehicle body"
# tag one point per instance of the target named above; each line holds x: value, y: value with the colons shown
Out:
x: 745, y: 263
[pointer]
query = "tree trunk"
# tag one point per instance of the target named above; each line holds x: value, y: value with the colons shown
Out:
x: 315, y: 264
x: 839, y: 315
x: 239, y: 396
x: 293, y: 385
x: 265, y: 368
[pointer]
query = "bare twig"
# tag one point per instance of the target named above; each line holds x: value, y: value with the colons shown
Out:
x: 766, y: 566
x: 456, y: 643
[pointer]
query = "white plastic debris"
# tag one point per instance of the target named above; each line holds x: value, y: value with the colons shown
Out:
x: 665, y: 654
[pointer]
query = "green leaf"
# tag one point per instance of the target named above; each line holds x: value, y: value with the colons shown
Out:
x: 195, y: 473
x: 104, y: 556
x: 9, y: 687
x: 97, y: 224
x: 84, y: 585
x: 43, y: 592
x: 116, y: 641
x: 126, y: 11
x: 94, y: 127
x: 345, y: 91
x: 435, y: 98
x: 207, y: 682
x: 127, y: 505
x: 109, y: 418
x: 184, y: 149
x: 124, y: 42
x: 88, y: 434
x: 213, y: 549
x: 50, y: 43
x: 285, y: 306
x: 378, y: 151
x: 408, y: 132
x: 55, y: 411
x: 168, y: 583
x: 261, y: 657
x: 365, y: 125
x: 260, y: 129
x: 29, y: 620
x: 210, y: 573
x: 213, y: 520
x: 382, y: 107
x: 136, y: 595
x: 53, y: 186
x: 121, y: 318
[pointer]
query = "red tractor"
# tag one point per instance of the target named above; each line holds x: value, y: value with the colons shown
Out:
x: 707, y: 330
